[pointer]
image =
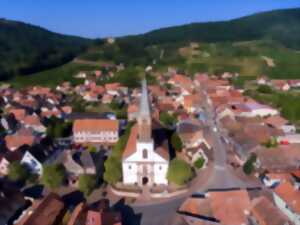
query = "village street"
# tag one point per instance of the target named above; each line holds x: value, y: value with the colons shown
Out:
x: 221, y: 176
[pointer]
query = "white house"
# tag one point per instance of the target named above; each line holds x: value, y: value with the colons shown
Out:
x: 96, y: 131
x: 289, y: 139
x: 143, y: 163
x: 32, y: 162
x: 254, y: 110
x: 287, y: 199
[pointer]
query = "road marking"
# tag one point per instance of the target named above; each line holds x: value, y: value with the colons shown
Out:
x: 217, y: 167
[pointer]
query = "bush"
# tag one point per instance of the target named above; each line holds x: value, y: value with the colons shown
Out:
x: 87, y: 183
x: 17, y: 172
x: 58, y: 128
x: 176, y: 142
x: 265, y: 89
x: 272, y: 143
x: 179, y: 172
x: 53, y: 175
x: 199, y: 163
x: 249, y: 165
x: 92, y: 149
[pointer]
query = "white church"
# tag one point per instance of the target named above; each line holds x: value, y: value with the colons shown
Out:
x: 146, y: 156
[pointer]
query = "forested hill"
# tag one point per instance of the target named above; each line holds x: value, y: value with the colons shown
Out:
x: 26, y: 49
x: 279, y: 25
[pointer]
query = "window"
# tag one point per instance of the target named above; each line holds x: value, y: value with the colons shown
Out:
x: 160, y: 167
x: 129, y: 167
x: 145, y: 154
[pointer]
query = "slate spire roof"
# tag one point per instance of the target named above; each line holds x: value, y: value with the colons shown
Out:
x: 144, y: 103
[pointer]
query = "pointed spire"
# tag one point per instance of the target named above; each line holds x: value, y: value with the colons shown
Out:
x: 144, y: 102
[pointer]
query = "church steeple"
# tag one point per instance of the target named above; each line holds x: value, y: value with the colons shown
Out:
x: 144, y: 118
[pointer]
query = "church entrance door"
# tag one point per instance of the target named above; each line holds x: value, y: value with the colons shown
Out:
x: 145, y: 180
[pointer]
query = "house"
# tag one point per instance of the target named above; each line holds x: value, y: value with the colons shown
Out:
x: 78, y: 216
x: 96, y: 131
x: 113, y: 89
x: 262, y: 80
x: 294, y: 83
x: 287, y: 199
x: 181, y: 81
x: 193, y: 154
x: 98, y: 214
x: 264, y: 212
x: 87, y: 163
x: 280, y: 123
x: 50, y: 210
x: 279, y: 159
x: 22, y: 137
x: 33, y: 121
x: 253, y: 110
x: 73, y: 168
x: 273, y: 179
x: 192, y: 103
x: 145, y: 160
x: 289, y: 139
x: 34, y: 158
x: 103, y: 215
x: 281, y: 85
x: 6, y: 159
x: 191, y: 134
x: 226, y: 207
x: 132, y: 111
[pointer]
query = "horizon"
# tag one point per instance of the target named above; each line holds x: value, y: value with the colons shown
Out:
x: 65, y: 18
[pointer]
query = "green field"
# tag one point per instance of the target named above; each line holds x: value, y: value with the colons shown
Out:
x: 244, y: 58
x: 52, y: 77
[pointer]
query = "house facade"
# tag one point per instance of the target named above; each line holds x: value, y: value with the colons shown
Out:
x: 96, y: 131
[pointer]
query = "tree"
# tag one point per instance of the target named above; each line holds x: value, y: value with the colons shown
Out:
x: 199, y: 163
x: 87, y: 183
x: 249, y: 164
x: 17, y: 172
x: 113, y: 170
x: 179, y: 172
x: 167, y: 119
x: 176, y: 142
x: 265, y: 89
x: 53, y: 175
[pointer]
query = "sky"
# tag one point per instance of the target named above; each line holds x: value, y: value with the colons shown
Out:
x: 103, y: 18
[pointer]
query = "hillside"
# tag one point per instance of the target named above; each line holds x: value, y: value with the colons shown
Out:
x: 26, y: 49
x: 279, y: 25
x: 264, y: 43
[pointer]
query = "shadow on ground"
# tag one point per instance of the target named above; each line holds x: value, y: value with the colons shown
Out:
x: 128, y: 215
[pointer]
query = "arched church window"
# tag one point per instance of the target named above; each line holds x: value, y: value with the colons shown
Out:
x: 145, y: 154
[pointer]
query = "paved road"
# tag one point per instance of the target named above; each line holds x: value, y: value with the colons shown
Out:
x: 221, y: 177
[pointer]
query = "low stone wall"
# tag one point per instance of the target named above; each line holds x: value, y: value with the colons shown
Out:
x: 168, y: 194
x: 124, y: 193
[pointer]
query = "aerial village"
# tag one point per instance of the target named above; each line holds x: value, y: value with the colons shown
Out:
x: 229, y: 159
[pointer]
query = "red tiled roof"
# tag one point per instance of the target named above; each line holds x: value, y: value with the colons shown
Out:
x: 230, y: 207
x: 288, y: 193
x: 95, y: 125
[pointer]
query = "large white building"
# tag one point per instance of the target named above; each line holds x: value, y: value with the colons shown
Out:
x: 96, y: 131
x: 145, y: 159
